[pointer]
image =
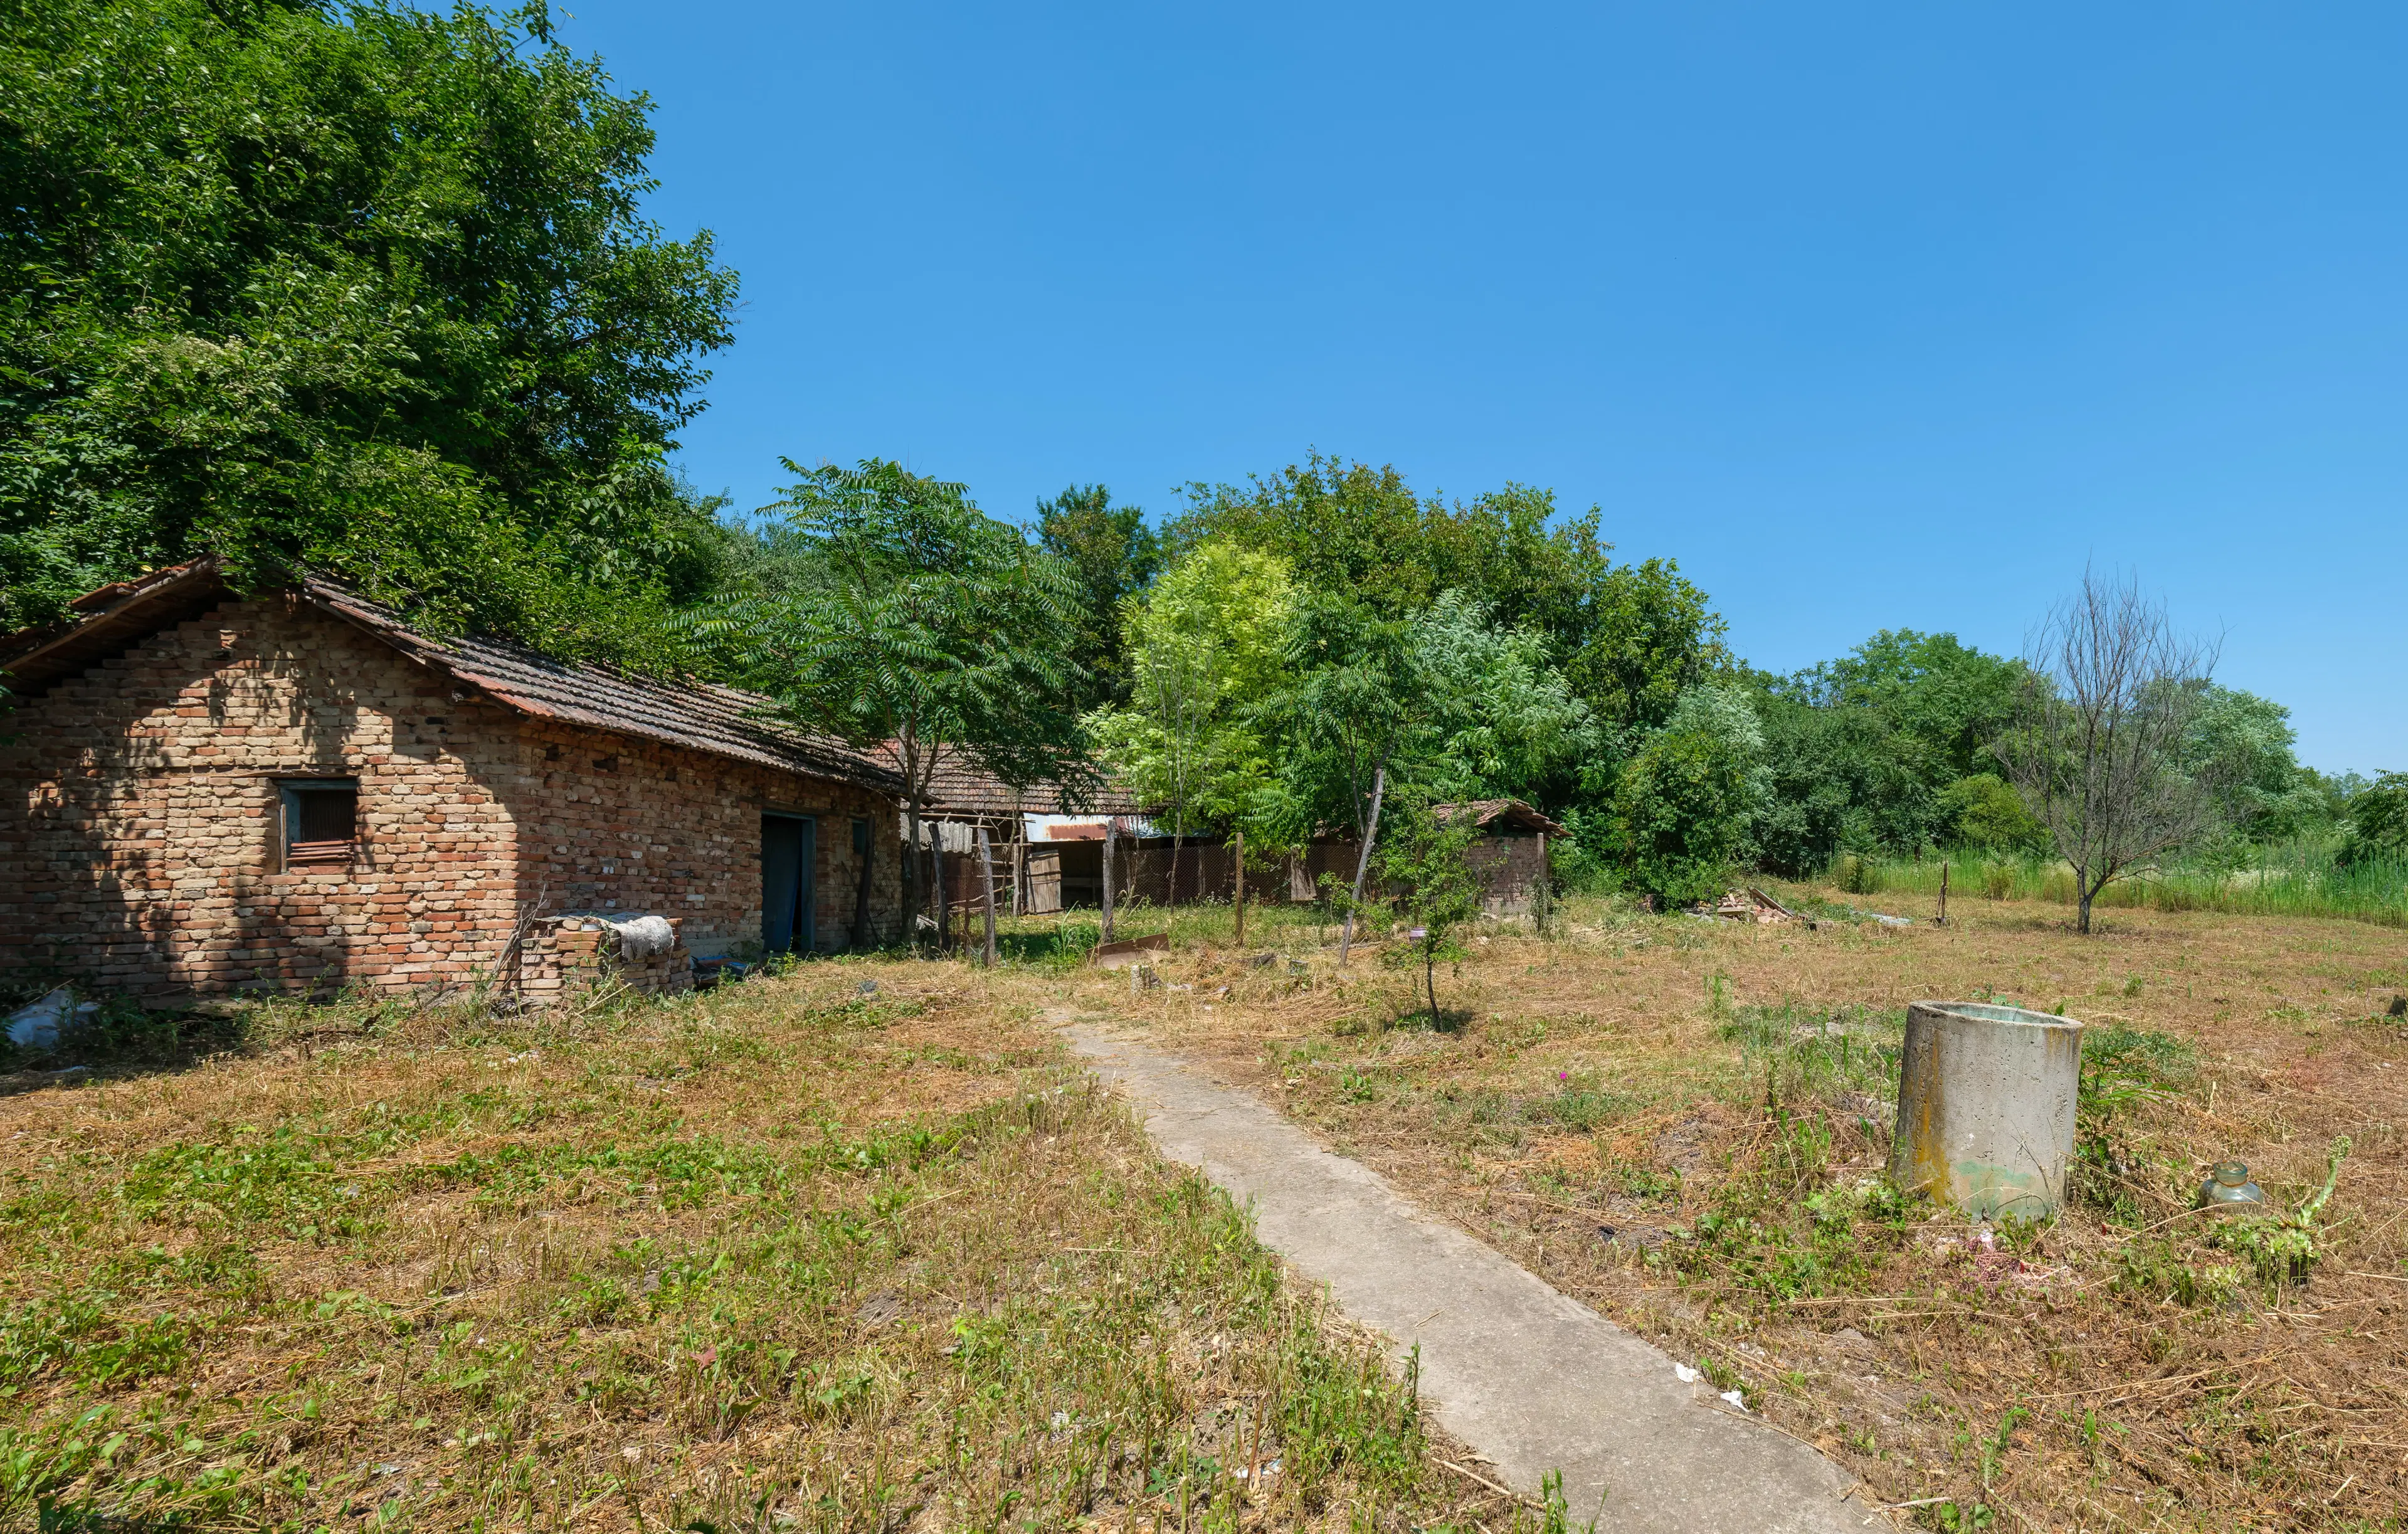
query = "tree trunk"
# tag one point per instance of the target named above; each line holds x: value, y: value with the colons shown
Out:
x: 1363, y: 863
x: 1429, y: 974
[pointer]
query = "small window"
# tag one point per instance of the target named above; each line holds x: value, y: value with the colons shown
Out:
x: 321, y: 820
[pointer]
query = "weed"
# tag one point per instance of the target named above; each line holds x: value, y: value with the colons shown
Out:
x: 2283, y: 1250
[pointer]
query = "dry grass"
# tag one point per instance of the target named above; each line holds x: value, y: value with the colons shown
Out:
x: 795, y: 1259
x: 785, y: 1257
x: 1684, y: 1084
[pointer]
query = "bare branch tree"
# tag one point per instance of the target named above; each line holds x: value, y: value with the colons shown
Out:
x: 2096, y: 748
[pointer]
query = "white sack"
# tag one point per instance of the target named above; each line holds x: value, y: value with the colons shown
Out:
x: 641, y: 937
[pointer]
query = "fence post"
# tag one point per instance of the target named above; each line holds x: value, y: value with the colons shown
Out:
x: 945, y: 902
x: 1112, y: 838
x: 1239, y: 896
x: 986, y: 890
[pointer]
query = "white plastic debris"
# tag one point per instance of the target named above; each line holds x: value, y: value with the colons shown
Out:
x: 39, y: 1025
x: 641, y: 937
x: 1684, y: 1373
x: 1736, y: 1399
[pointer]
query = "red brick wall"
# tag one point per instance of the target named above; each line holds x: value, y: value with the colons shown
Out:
x: 140, y: 820
x: 610, y: 823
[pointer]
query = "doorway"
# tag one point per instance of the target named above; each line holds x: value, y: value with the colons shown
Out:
x: 789, y: 856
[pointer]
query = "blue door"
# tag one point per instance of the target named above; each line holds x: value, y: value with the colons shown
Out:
x: 789, y: 851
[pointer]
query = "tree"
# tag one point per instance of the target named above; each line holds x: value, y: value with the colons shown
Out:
x: 923, y: 621
x: 2243, y: 744
x: 1202, y: 643
x: 1434, y: 891
x: 1503, y: 723
x: 1340, y: 526
x: 1984, y: 810
x: 355, y: 288
x: 1648, y: 637
x: 2377, y: 822
x: 1939, y: 702
x: 1835, y: 780
x: 1683, y: 804
x: 2097, y: 751
x: 1351, y: 707
x: 1112, y: 556
x: 1627, y: 637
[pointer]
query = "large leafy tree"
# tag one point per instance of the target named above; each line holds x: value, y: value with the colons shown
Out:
x: 346, y: 286
x: 1939, y: 702
x: 1203, y: 644
x: 1352, y: 708
x: 1503, y: 721
x: 2243, y: 744
x: 1112, y: 556
x: 1628, y: 638
x: 891, y: 609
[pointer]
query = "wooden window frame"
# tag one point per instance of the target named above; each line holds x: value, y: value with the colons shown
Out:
x: 314, y: 854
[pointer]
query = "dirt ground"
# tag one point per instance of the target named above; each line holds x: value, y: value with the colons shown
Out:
x: 1681, y: 1123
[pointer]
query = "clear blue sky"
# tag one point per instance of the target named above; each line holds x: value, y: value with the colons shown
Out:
x: 1869, y: 316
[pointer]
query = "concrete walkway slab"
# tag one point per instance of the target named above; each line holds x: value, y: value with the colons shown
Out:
x: 1532, y: 1378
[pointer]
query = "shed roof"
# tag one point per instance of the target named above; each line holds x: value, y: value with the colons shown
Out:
x: 959, y: 787
x: 1500, y: 815
x: 698, y: 716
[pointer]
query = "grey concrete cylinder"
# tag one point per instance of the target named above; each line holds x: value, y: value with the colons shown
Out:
x: 1985, y: 1106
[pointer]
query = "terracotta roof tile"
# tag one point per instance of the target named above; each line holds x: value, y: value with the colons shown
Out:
x: 959, y: 787
x: 698, y: 715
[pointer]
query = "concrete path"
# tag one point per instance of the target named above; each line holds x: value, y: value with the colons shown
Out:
x: 1533, y: 1380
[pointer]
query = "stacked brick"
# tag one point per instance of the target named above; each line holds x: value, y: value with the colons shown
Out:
x: 563, y: 957
x: 142, y: 838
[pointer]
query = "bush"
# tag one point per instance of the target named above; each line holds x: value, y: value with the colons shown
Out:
x: 2378, y: 823
x: 1680, y: 816
x: 1985, y: 812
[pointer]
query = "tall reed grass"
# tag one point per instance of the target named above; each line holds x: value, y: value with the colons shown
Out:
x: 2295, y: 880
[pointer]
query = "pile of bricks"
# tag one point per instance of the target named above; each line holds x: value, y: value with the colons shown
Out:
x: 561, y: 957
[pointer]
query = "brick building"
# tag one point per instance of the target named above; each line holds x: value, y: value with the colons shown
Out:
x: 202, y: 792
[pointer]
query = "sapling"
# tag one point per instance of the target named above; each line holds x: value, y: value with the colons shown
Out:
x: 1434, y: 891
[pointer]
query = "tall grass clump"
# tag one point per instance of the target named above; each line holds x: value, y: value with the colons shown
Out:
x: 2303, y: 879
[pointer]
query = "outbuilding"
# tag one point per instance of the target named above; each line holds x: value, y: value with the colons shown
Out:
x: 204, y: 792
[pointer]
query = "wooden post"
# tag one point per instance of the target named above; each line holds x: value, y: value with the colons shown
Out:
x: 1543, y: 892
x: 1019, y: 865
x: 986, y: 891
x: 944, y: 904
x: 1237, y: 895
x: 1111, y: 836
x: 1363, y: 863
x: 1943, y: 892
